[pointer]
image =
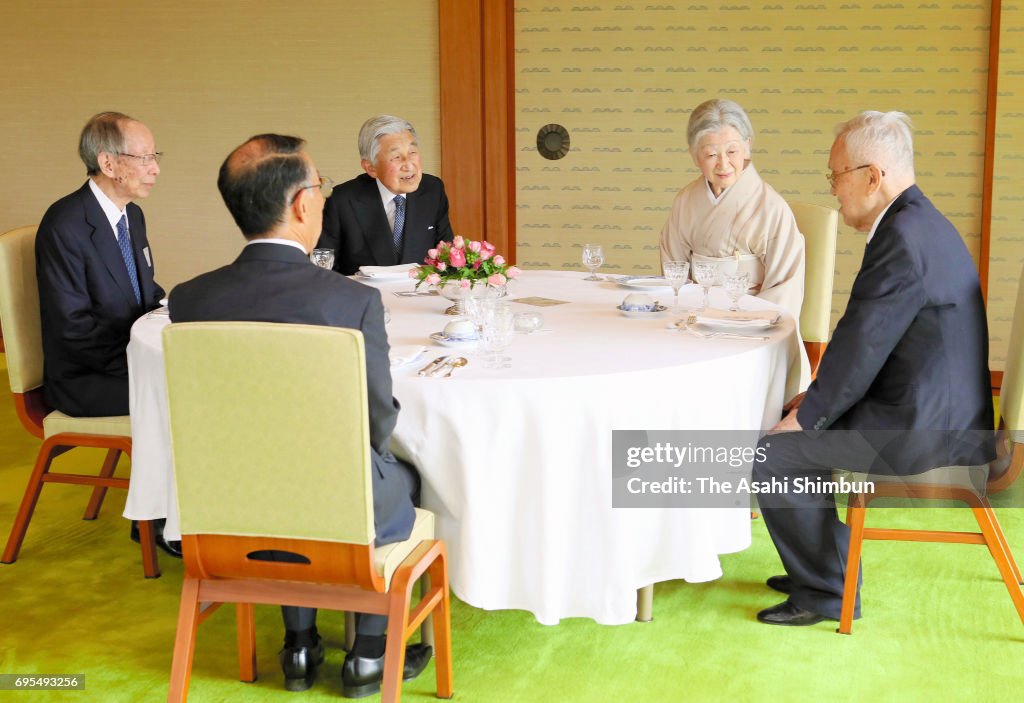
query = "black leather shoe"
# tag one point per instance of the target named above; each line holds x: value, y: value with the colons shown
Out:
x: 361, y: 676
x: 299, y: 665
x: 170, y: 547
x: 788, y: 613
x: 782, y: 584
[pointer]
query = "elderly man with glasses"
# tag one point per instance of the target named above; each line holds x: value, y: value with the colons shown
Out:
x: 95, y: 269
x: 904, y: 386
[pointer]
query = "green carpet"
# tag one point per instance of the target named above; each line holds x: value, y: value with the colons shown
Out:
x: 938, y: 623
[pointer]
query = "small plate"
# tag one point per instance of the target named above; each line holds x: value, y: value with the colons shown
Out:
x: 644, y: 282
x: 658, y: 311
x: 737, y: 321
x: 446, y: 341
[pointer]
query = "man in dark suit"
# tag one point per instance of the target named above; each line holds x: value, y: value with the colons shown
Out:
x: 393, y: 213
x: 904, y: 385
x: 274, y: 192
x: 95, y: 269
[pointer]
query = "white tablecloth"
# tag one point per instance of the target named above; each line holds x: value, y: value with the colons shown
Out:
x: 516, y: 463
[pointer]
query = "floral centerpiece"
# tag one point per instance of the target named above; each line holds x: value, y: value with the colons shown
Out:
x: 464, y: 264
x: 464, y: 269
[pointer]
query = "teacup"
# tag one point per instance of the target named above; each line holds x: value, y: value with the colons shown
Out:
x: 638, y: 302
x: 460, y: 330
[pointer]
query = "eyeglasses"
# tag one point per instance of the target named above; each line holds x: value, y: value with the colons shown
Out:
x: 147, y: 159
x: 833, y: 177
x: 325, y: 185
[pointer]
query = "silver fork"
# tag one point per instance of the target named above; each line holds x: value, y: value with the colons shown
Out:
x: 692, y: 320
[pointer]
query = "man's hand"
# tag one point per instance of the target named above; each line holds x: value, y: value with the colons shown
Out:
x: 787, y: 424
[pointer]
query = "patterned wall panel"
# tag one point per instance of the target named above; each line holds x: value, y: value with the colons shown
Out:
x: 622, y: 77
x: 1007, y: 252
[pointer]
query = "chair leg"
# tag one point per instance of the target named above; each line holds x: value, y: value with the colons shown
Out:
x: 184, y: 641
x: 147, y: 543
x: 394, y: 651
x: 994, y: 540
x: 855, y: 514
x: 427, y: 628
x: 246, y: 623
x: 28, y: 502
x: 438, y: 571
x: 1002, y: 540
x: 100, y: 492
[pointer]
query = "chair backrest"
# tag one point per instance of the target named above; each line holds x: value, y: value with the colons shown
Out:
x: 820, y: 227
x: 269, y: 430
x: 19, y: 309
x: 1011, y: 393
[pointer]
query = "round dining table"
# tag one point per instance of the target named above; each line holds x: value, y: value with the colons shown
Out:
x: 516, y: 461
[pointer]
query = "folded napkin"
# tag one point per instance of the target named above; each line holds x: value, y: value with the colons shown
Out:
x: 398, y: 271
x: 739, y: 318
x: 400, y: 356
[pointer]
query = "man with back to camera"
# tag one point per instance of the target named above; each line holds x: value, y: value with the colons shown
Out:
x: 904, y: 384
x: 274, y: 193
x: 391, y: 214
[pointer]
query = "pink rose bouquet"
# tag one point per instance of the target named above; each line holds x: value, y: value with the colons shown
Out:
x: 468, y: 262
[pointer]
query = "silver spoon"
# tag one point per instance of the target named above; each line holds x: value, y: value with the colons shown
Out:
x: 456, y: 363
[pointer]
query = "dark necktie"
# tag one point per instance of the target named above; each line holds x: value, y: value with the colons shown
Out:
x: 124, y: 243
x: 399, y: 225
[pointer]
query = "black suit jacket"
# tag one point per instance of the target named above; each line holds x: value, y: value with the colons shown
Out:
x: 356, y: 226
x: 87, y: 305
x: 277, y: 283
x: 910, y: 353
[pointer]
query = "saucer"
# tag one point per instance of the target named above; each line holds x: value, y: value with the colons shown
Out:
x: 644, y: 282
x: 446, y: 341
x: 658, y: 311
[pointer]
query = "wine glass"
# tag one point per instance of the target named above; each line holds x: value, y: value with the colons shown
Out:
x: 496, y: 334
x: 676, y: 273
x: 324, y: 258
x: 706, y: 274
x: 593, y: 257
x: 736, y: 286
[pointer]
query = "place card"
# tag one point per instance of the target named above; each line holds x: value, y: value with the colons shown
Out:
x: 539, y: 301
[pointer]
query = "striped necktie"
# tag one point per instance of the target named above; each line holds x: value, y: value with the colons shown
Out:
x: 124, y: 243
x: 399, y: 225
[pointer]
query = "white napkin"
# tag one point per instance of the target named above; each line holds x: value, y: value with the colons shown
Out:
x: 400, y: 356
x: 740, y: 318
x: 398, y: 271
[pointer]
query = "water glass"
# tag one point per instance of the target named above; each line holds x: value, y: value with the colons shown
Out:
x: 736, y: 286
x: 676, y: 273
x: 593, y: 257
x: 496, y: 334
x: 707, y: 275
x: 324, y: 258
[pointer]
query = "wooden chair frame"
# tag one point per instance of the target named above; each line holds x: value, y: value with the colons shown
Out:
x: 339, y: 576
x: 991, y: 534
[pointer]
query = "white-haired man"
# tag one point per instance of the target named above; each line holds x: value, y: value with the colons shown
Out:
x: 904, y: 384
x: 391, y: 214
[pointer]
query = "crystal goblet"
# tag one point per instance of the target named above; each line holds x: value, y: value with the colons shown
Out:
x: 676, y: 273
x: 736, y: 286
x: 593, y: 257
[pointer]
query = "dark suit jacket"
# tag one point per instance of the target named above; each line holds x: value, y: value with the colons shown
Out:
x: 356, y: 226
x: 911, y: 351
x: 87, y: 305
x: 277, y: 283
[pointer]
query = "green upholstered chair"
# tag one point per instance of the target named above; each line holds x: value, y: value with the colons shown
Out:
x: 271, y: 450
x: 820, y: 227
x: 19, y: 311
x: 956, y: 483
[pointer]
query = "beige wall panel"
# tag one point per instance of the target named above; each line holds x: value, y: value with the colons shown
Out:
x: 1007, y: 251
x: 623, y: 77
x: 204, y: 76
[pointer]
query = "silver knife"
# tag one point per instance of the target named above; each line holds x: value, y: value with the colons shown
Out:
x: 432, y: 366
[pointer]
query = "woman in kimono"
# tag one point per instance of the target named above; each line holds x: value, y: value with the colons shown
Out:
x: 730, y: 216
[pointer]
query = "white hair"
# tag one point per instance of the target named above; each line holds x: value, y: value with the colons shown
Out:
x: 375, y: 128
x: 884, y: 139
x: 715, y: 115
